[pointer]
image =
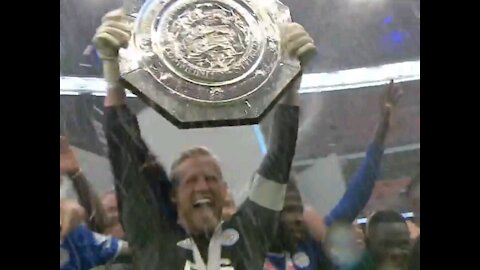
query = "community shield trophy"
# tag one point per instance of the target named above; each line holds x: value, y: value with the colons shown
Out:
x: 206, y: 63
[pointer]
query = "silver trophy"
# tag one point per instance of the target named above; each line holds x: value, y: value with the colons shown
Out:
x: 205, y: 63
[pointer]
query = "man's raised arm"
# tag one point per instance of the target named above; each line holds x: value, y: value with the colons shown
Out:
x: 268, y: 188
x: 87, y: 197
x: 141, y: 182
x: 362, y: 183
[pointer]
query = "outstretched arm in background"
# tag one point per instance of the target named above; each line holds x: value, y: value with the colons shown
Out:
x: 362, y: 183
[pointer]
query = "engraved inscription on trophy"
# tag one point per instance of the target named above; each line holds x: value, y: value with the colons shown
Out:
x: 215, y: 90
x: 209, y: 42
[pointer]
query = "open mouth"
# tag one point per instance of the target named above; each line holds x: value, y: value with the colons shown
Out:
x: 202, y: 203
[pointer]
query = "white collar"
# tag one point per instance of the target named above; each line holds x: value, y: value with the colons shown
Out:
x: 214, y: 250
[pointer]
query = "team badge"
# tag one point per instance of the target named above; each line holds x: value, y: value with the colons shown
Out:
x: 230, y: 237
x: 301, y: 259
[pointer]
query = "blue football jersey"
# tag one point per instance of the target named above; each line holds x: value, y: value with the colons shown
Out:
x: 83, y: 249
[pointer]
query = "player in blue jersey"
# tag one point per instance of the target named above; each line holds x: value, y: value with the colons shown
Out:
x: 299, y: 244
x: 81, y: 248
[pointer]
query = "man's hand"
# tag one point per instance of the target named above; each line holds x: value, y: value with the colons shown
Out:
x: 315, y: 223
x: 113, y: 34
x: 387, y: 103
x: 297, y: 42
x: 72, y: 215
x: 68, y: 162
x: 390, y: 98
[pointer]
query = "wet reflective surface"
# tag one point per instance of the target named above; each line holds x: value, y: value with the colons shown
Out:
x: 340, y: 112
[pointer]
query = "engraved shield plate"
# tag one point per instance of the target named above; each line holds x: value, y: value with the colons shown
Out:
x: 204, y: 63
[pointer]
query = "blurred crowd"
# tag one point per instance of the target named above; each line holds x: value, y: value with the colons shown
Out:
x: 187, y: 218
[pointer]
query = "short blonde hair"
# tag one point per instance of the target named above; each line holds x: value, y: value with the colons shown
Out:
x: 189, y: 153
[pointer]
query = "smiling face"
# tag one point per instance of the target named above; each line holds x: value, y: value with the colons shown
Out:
x: 388, y: 240
x: 200, y: 193
x: 292, y: 217
x: 292, y: 229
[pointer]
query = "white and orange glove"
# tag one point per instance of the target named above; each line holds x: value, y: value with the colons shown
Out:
x: 114, y: 33
x: 297, y: 42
